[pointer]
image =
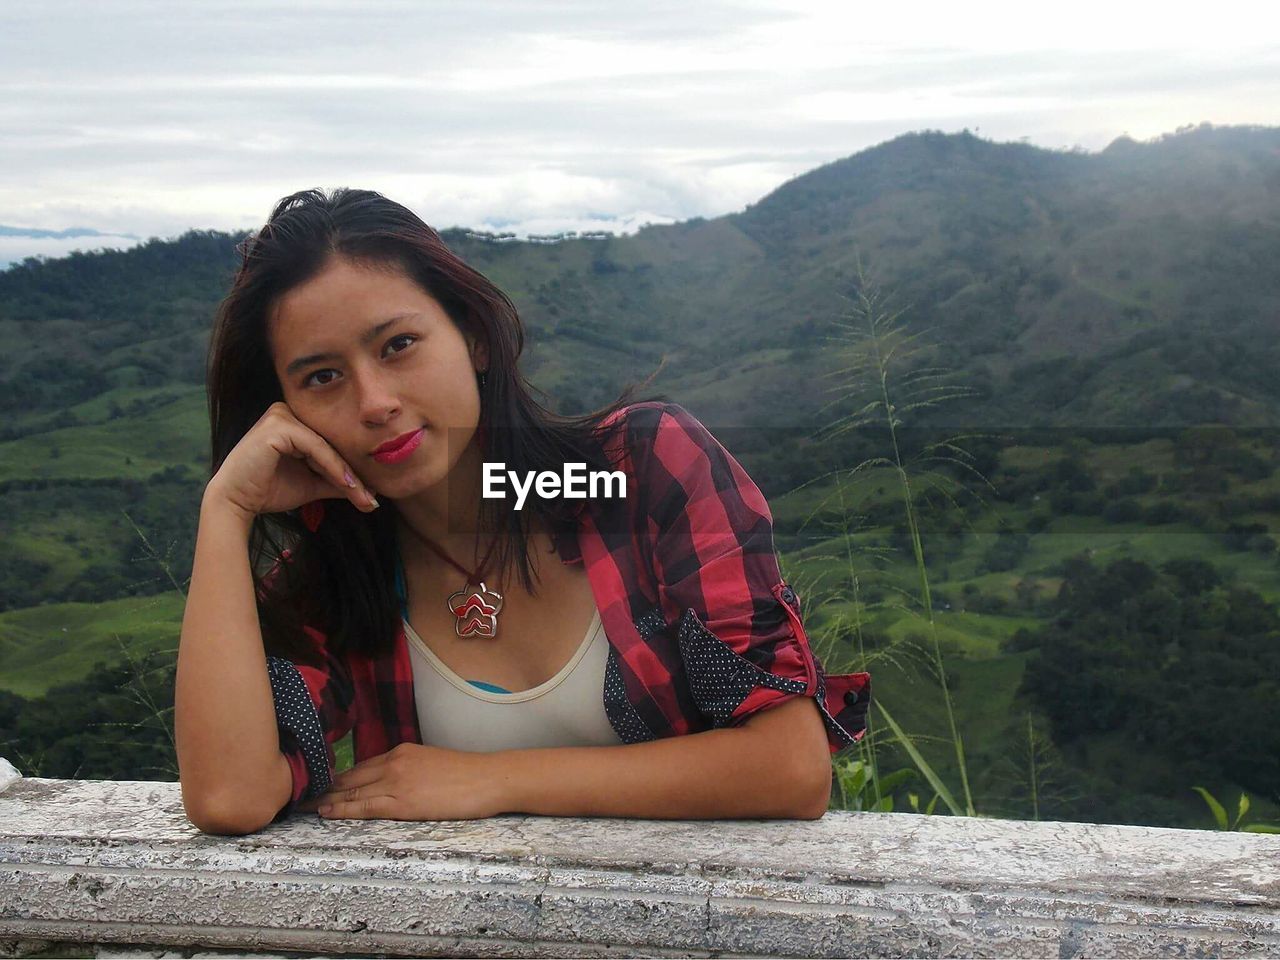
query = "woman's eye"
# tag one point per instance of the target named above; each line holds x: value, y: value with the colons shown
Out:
x: 404, y: 336
x: 312, y: 381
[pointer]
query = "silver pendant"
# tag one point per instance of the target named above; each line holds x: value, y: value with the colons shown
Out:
x: 475, y: 611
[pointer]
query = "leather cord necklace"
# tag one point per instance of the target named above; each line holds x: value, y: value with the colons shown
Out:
x: 475, y: 609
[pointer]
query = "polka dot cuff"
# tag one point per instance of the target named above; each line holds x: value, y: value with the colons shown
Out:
x: 297, y: 717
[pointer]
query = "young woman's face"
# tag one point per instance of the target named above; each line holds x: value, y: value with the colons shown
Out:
x: 364, y: 356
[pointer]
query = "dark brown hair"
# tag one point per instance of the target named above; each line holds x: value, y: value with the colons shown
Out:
x: 341, y: 578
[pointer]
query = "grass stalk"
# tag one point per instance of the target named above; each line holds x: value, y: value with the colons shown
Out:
x: 877, y: 345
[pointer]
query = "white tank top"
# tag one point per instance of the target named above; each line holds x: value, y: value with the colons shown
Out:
x: 565, y: 711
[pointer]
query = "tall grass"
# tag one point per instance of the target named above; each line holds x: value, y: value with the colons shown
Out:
x: 885, y: 383
x: 140, y: 686
x: 1035, y: 773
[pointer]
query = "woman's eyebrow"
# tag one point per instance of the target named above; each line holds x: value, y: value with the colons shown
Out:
x: 365, y: 338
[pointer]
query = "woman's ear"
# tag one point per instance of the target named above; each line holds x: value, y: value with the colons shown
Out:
x: 480, y: 356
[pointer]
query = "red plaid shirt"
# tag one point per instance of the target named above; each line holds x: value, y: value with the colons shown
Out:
x: 702, y: 630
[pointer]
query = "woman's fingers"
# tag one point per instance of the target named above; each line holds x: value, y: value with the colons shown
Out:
x: 325, y: 461
x: 373, y: 808
x: 262, y: 475
x: 369, y: 771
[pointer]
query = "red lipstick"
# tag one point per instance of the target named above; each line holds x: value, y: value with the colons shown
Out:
x: 394, y: 451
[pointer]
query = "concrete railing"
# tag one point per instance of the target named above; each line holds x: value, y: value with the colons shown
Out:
x: 116, y: 863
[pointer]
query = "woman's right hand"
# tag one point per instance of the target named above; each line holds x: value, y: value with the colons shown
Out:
x: 280, y: 464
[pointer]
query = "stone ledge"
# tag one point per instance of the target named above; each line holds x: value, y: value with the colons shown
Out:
x: 116, y: 863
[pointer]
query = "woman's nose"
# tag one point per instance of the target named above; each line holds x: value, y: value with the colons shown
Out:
x: 378, y: 403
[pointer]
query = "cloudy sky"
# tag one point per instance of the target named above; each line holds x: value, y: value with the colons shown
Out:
x: 151, y: 118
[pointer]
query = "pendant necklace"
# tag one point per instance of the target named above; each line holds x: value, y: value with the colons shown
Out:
x: 475, y: 608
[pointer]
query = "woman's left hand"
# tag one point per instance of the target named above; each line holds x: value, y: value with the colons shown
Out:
x: 412, y: 781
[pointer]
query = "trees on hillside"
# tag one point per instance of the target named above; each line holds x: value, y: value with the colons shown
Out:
x: 1172, y: 658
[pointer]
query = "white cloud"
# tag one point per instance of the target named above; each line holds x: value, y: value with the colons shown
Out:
x: 156, y: 117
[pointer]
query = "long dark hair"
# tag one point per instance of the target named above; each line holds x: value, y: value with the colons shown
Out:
x: 341, y: 577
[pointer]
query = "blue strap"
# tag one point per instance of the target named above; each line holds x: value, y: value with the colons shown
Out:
x: 491, y: 687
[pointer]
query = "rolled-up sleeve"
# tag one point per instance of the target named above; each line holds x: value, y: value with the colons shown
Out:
x: 314, y: 710
x: 739, y: 626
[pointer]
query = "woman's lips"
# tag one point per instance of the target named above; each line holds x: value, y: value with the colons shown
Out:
x: 402, y: 452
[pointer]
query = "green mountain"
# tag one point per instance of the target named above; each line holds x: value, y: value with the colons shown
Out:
x: 1130, y: 287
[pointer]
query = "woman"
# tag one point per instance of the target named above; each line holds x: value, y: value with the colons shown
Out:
x: 632, y: 653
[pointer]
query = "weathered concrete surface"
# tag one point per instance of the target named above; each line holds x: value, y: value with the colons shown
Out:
x: 118, y: 863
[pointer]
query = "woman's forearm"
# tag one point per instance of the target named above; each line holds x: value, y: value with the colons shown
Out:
x: 716, y: 774
x: 233, y: 774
